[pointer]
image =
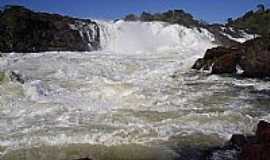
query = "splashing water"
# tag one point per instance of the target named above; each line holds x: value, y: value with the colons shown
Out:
x: 137, y: 90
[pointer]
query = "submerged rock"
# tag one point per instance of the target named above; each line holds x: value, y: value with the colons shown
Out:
x: 252, y: 57
x: 16, y: 77
x: 22, y: 30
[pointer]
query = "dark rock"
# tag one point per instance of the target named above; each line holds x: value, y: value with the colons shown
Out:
x: 255, y: 152
x: 238, y: 140
x: 225, y: 64
x: 261, y: 149
x: 198, y: 64
x: 84, y: 159
x: 263, y: 132
x: 251, y: 152
x: 245, y: 148
x: 22, y: 30
x: 220, y: 32
x: 220, y: 60
x: 255, y: 60
x: 252, y: 57
x: 16, y: 77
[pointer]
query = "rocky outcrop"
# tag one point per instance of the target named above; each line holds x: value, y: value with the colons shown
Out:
x: 22, y: 30
x: 252, y: 57
x: 257, y: 22
x: 225, y: 36
x: 172, y: 16
x: 242, y: 147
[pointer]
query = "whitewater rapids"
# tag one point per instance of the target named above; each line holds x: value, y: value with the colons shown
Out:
x: 137, y: 90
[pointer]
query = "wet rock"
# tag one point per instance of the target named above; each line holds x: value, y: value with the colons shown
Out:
x: 261, y: 149
x: 252, y: 57
x: 222, y: 59
x: 255, y: 152
x: 16, y: 77
x: 263, y: 132
x: 22, y: 30
x: 198, y: 64
x: 238, y: 140
x: 225, y: 64
x: 255, y: 59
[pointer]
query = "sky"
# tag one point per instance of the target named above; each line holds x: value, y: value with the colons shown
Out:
x: 208, y: 10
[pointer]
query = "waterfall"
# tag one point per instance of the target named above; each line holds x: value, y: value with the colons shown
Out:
x: 152, y: 37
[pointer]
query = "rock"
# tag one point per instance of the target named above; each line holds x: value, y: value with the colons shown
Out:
x: 225, y: 64
x: 255, y: 152
x: 238, y: 140
x: 261, y: 149
x: 256, y: 57
x: 22, y: 30
x: 198, y: 64
x: 220, y: 32
x: 251, y: 152
x: 220, y: 59
x: 16, y: 77
x: 253, y: 57
x: 241, y: 147
x: 263, y: 132
x: 83, y: 159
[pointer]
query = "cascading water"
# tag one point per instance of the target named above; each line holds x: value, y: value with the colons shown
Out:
x: 137, y: 94
x: 152, y: 37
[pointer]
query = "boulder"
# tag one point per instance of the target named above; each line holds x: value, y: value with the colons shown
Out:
x: 225, y: 64
x: 261, y: 149
x: 263, y: 132
x: 253, y: 57
x: 256, y: 58
x: 238, y: 140
x: 220, y: 60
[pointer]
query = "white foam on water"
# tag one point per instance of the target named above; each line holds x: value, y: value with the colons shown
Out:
x: 124, y: 93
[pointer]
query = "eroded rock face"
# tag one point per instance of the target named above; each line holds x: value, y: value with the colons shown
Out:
x: 22, y: 30
x: 253, y: 57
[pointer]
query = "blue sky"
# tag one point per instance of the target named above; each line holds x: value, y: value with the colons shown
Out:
x: 209, y: 10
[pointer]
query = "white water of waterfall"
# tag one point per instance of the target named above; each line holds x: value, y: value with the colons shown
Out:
x: 139, y: 89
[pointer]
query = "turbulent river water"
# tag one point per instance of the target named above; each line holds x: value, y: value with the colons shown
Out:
x: 137, y: 98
